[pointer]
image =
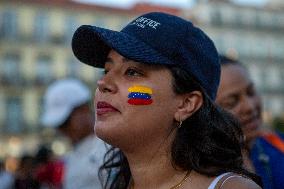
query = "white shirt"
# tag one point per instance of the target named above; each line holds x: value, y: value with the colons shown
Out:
x: 82, y: 164
x: 218, y: 178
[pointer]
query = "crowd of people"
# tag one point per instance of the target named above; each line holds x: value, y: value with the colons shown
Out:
x: 67, y: 107
x: 41, y: 171
x: 169, y: 113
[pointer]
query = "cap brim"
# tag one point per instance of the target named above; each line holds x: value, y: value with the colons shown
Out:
x: 92, y: 44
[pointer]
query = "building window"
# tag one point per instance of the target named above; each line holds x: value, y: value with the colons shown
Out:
x: 264, y: 76
x: 41, y: 29
x: 216, y: 17
x: 244, y: 44
x: 281, y: 70
x: 14, y: 118
x: 259, y: 47
x: 276, y: 106
x: 101, y: 21
x: 279, y: 20
x: 258, y: 20
x: 273, y: 77
x: 8, y: 24
x: 40, y: 102
x: 238, y: 18
x: 219, y: 42
x: 44, y: 69
x: 73, y: 68
x: 70, y: 26
x: 10, y: 69
x: 277, y: 48
x: 255, y: 72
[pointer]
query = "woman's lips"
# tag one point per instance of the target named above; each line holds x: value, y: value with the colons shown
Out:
x: 104, y: 107
x: 251, y: 124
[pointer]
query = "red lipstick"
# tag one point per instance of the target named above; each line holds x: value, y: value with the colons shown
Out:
x: 104, y: 107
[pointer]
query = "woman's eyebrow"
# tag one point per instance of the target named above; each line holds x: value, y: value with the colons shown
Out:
x: 109, y: 60
x: 125, y: 59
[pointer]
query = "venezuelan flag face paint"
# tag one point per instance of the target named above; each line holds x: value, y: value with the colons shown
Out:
x: 139, y: 95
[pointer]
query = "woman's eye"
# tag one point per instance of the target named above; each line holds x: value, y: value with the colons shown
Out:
x: 105, y: 72
x: 251, y: 92
x: 133, y: 72
x: 230, y: 103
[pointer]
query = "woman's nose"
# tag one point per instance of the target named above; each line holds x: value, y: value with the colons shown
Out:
x: 248, y: 105
x: 106, y: 84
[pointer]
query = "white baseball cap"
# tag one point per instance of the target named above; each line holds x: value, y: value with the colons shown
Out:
x: 61, y: 98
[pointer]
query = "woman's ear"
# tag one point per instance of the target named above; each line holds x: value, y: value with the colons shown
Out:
x: 191, y: 102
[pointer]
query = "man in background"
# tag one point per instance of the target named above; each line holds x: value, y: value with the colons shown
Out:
x: 67, y: 108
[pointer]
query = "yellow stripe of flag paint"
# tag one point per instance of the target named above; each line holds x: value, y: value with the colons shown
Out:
x: 140, y: 89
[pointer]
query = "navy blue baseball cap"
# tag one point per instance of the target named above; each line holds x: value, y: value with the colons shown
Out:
x: 154, y: 38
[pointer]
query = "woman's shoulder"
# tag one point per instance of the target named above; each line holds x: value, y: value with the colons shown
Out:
x: 238, y: 182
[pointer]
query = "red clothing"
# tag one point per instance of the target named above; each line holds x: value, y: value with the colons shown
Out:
x: 50, y: 173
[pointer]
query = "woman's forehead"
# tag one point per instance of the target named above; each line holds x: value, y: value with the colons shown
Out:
x: 234, y: 78
x: 234, y: 71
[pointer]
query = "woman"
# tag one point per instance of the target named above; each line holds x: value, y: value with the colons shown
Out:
x: 263, y: 152
x: 155, y: 106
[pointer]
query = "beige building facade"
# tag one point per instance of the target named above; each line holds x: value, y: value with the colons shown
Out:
x: 35, y: 50
x: 255, y: 35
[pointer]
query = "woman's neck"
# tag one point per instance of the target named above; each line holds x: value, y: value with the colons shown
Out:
x: 247, y: 161
x: 154, y: 173
x: 153, y: 169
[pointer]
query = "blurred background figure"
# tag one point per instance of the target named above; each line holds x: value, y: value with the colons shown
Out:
x: 67, y: 108
x: 48, y: 170
x: 24, y: 174
x: 264, y: 148
x: 6, y: 178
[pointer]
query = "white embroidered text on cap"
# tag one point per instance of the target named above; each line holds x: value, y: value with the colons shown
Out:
x: 143, y: 22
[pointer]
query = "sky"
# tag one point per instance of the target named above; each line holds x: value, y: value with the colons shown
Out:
x: 174, y: 3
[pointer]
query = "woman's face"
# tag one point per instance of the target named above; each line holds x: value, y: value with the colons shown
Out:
x: 124, y: 121
x: 237, y: 94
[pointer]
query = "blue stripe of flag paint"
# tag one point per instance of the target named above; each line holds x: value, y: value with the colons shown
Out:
x: 139, y: 95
